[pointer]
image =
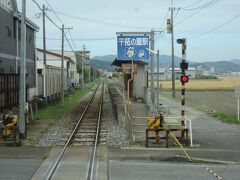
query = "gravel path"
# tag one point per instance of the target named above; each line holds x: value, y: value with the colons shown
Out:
x: 116, y: 135
x: 55, y: 134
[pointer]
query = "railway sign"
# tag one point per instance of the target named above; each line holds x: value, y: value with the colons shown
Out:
x: 133, y: 47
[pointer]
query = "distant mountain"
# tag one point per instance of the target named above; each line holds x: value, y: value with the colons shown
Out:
x: 219, y: 66
x: 105, y: 65
x: 105, y: 58
x: 236, y: 61
x: 166, y: 61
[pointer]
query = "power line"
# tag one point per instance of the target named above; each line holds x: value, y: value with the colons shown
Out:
x: 102, y: 22
x: 181, y: 21
x: 217, y: 27
x: 53, y: 11
x: 198, y: 10
x: 68, y: 43
x: 47, y: 15
x: 178, y: 9
x: 70, y: 34
x: 53, y: 22
x: 203, y: 6
x: 165, y: 17
x: 37, y: 4
x: 192, y: 4
x: 87, y: 39
x: 62, y: 23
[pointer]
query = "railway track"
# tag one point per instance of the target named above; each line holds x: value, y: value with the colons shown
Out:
x: 88, y: 132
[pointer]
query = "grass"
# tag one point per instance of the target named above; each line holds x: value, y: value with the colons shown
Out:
x: 56, y: 111
x: 225, y: 117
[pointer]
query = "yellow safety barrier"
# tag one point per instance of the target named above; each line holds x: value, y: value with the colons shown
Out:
x: 153, y: 122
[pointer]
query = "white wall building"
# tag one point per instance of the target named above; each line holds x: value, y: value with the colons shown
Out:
x: 73, y: 75
x: 166, y: 74
x: 50, y: 78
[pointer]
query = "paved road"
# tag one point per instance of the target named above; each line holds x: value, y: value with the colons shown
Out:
x: 208, y: 132
x: 20, y: 163
x: 216, y: 144
x: 20, y: 169
x: 169, y: 171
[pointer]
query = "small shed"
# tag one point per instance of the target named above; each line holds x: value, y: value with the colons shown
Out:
x: 139, y: 85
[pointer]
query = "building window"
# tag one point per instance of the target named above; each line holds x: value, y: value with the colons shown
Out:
x: 8, y: 32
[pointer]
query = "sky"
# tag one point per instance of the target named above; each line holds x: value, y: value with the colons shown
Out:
x: 209, y: 34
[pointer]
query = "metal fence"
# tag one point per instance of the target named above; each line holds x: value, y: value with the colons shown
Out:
x: 9, y: 90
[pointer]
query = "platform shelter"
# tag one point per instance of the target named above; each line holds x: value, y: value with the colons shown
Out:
x: 139, y: 83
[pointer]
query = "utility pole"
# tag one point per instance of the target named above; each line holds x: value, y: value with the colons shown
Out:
x: 22, y: 91
x: 83, y: 58
x: 62, y: 68
x: 44, y: 53
x: 152, y: 66
x: 62, y: 64
x: 157, y: 79
x: 89, y: 75
x: 173, y: 62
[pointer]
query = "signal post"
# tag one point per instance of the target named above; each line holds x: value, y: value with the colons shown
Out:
x: 184, y: 78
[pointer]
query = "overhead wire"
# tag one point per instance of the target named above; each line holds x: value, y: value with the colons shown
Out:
x: 53, y: 11
x: 217, y: 27
x: 197, y: 11
x: 101, y: 22
x: 186, y: 18
x: 86, y: 39
x: 65, y: 35
x: 37, y: 4
x: 68, y: 43
x: 55, y: 24
x: 192, y: 4
x: 202, y: 6
x: 46, y: 15
x: 70, y: 34
x: 165, y: 18
x: 175, y: 16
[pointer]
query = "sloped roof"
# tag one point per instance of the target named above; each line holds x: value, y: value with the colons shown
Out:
x: 55, y: 54
x: 118, y: 62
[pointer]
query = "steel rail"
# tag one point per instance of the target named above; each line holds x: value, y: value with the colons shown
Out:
x: 93, y: 157
x: 49, y: 175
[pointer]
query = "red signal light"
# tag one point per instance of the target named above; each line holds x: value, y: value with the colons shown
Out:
x: 184, y: 79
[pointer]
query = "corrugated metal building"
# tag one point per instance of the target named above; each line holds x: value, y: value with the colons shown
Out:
x: 10, y: 38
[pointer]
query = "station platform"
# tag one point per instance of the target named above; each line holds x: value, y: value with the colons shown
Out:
x: 134, y: 116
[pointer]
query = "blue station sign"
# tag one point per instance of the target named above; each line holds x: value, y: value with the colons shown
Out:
x: 133, y: 47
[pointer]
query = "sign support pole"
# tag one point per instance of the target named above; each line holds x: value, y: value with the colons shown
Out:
x: 238, y: 109
x: 152, y: 67
x: 157, y: 79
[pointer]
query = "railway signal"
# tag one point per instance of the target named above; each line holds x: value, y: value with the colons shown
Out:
x: 184, y: 78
